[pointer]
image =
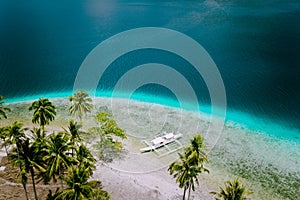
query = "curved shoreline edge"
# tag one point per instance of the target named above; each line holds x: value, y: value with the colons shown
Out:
x: 239, y: 118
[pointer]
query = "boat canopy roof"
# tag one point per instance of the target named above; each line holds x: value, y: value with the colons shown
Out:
x: 169, y: 136
x: 158, y: 140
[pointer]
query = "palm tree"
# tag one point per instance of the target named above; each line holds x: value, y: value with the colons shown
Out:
x: 57, y: 158
x: 16, y: 136
x: 197, y: 145
x: 3, y: 137
x: 180, y: 169
x: 234, y: 190
x: 15, y: 133
x: 190, y: 165
x: 28, y: 158
x: 81, y: 104
x: 85, y: 157
x: 3, y: 109
x: 44, y: 112
x: 73, y: 131
x: 196, y: 151
x: 38, y: 135
x: 78, y: 186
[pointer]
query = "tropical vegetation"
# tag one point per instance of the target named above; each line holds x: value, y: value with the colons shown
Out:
x: 234, y: 190
x: 49, y: 157
x: 78, y: 186
x: 108, y: 132
x: 81, y: 104
x: 44, y: 112
x: 190, y: 164
x: 3, y: 109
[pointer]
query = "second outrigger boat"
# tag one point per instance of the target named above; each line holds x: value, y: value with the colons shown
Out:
x: 161, y: 141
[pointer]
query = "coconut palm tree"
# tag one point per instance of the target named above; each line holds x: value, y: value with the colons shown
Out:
x: 73, y: 132
x: 15, y: 133
x: 197, y: 145
x: 186, y: 173
x: 190, y: 165
x: 234, y: 190
x: 16, y: 136
x: 81, y: 104
x: 58, y: 157
x: 195, y: 170
x: 180, y: 169
x: 29, y: 158
x: 3, y: 109
x: 198, y: 155
x: 44, y: 112
x: 78, y: 186
x: 3, y: 137
x: 85, y: 157
x: 38, y: 135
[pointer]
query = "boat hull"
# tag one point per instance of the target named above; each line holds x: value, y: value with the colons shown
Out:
x: 166, y: 142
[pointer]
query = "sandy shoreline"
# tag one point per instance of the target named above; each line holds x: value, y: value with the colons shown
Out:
x: 262, y: 162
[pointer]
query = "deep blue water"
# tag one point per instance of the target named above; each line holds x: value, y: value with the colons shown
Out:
x: 256, y: 46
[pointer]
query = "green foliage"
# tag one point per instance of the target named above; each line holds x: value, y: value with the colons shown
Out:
x: 44, y: 112
x: 74, y: 134
x: 48, y: 157
x: 190, y: 165
x: 77, y: 183
x: 73, y: 131
x: 3, y: 137
x: 25, y: 155
x: 81, y: 104
x: 3, y: 109
x: 38, y: 136
x: 109, y: 126
x: 78, y: 186
x: 108, y: 131
x: 107, y: 149
x: 58, y: 157
x: 196, y: 150
x: 101, y: 195
x: 234, y: 190
x: 14, y: 133
x: 85, y: 157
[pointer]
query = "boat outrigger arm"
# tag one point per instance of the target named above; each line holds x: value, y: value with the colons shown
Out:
x: 161, y: 141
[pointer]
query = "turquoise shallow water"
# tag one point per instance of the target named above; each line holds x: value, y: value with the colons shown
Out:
x: 255, y: 46
x: 241, y: 120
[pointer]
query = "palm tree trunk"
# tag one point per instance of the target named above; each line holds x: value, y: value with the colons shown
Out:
x: 61, y: 184
x: 6, y: 150
x: 73, y: 143
x: 33, y: 183
x: 189, y: 192
x: 184, y: 191
x: 61, y: 179
x: 24, y: 186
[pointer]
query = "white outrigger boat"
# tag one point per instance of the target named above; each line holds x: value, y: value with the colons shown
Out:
x: 161, y: 141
